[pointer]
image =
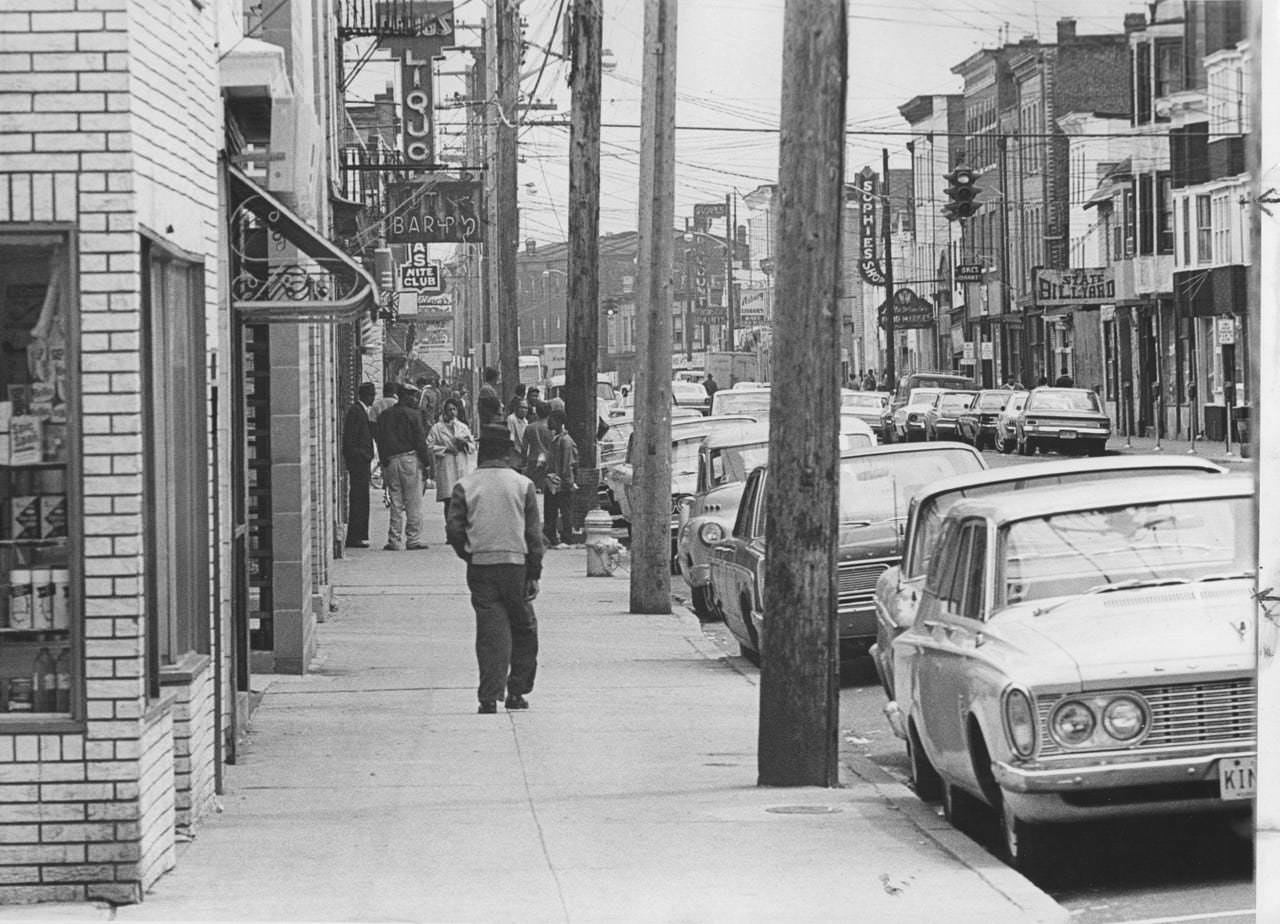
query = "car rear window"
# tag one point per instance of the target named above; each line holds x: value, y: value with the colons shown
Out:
x: 1063, y: 401
x: 879, y: 487
x: 993, y: 402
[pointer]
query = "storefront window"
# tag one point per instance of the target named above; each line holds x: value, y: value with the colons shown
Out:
x: 39, y: 604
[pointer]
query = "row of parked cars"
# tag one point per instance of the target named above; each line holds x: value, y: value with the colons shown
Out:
x: 1058, y: 641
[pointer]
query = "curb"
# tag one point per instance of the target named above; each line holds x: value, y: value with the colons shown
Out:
x: 1037, y: 905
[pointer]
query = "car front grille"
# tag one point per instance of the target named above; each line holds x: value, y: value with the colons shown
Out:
x: 858, y: 584
x: 1181, y: 716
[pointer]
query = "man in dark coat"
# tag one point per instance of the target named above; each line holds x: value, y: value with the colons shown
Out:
x: 357, y: 453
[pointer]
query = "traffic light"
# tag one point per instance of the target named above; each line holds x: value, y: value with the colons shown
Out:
x: 961, y: 193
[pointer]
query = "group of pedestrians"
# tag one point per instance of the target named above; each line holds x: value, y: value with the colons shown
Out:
x: 488, y: 489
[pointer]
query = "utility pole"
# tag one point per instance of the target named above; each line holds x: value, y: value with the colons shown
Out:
x: 1263, y: 329
x: 503, y: 349
x: 651, y: 514
x: 583, y: 330
x: 890, y: 334
x: 728, y: 271
x: 799, y: 677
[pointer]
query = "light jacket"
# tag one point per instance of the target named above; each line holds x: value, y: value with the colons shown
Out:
x: 493, y: 519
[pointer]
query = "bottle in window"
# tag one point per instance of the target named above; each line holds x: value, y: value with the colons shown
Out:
x: 62, y: 681
x: 44, y: 681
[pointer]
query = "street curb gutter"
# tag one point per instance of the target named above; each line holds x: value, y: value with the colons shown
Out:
x: 1035, y: 903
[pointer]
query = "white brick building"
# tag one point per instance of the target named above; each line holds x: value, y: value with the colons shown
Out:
x: 128, y: 455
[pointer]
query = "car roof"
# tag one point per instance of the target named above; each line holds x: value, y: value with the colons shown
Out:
x: 747, y: 435
x: 1038, y: 502
x: 1046, y: 390
x: 1055, y: 468
x: 893, y: 449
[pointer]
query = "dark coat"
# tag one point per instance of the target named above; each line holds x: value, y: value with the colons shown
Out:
x: 357, y: 437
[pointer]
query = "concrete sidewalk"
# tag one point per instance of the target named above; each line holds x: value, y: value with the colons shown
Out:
x: 371, y: 789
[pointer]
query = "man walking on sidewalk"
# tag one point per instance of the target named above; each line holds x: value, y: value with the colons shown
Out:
x: 561, y: 482
x: 493, y: 525
x: 402, y: 446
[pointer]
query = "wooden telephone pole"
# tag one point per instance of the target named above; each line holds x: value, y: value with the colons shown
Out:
x: 583, y: 345
x: 502, y: 346
x: 799, y: 677
x: 651, y: 511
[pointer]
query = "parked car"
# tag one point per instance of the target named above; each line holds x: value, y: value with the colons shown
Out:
x: 690, y: 395
x: 724, y: 461
x: 743, y: 398
x: 897, y: 592
x: 977, y: 425
x: 909, y: 418
x: 875, y: 488
x: 942, y: 381
x: 1083, y: 653
x: 686, y: 437
x: 940, y: 421
x: 872, y: 407
x: 1006, y: 436
x: 1065, y: 419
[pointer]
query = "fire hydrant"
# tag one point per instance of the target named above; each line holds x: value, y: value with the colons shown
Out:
x: 602, y: 548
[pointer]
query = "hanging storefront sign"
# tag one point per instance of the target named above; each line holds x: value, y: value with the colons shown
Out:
x: 419, y: 274
x: 969, y: 272
x: 1066, y: 287
x: 435, y: 212
x: 867, y: 184
x: 909, y: 311
x: 1226, y: 331
x: 435, y: 307
x: 416, y: 55
x: 753, y: 305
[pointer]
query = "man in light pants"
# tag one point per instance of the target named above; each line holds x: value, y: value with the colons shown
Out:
x: 402, y: 446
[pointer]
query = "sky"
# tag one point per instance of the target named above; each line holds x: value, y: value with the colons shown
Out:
x: 728, y: 88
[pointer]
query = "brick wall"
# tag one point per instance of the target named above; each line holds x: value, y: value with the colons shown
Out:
x: 110, y: 122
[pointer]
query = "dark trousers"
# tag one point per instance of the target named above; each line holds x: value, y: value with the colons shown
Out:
x: 506, y: 630
x: 358, y: 504
x: 557, y: 517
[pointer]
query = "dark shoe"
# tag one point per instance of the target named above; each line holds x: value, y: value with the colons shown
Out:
x: 364, y: 544
x: 392, y: 547
x: 516, y: 701
x: 413, y: 546
x: 488, y: 707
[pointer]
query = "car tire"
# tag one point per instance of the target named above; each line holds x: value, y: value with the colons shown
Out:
x: 1097, y: 448
x: 1023, y: 845
x: 924, y: 778
x: 700, y: 600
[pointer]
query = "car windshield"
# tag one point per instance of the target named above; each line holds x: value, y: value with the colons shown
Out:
x: 993, y: 401
x: 878, y: 487
x: 1063, y: 401
x: 928, y: 396
x: 863, y: 400
x: 1072, y: 553
x: 754, y: 402
x: 732, y: 464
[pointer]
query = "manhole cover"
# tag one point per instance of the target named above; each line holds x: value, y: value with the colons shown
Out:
x: 803, y: 810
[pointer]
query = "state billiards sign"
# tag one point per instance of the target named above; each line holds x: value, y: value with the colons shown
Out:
x: 1066, y: 287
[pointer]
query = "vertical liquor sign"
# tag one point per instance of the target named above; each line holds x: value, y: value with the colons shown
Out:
x: 415, y: 54
x: 867, y: 190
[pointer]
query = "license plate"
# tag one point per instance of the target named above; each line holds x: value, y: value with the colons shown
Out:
x: 1238, y: 777
x: 1066, y: 434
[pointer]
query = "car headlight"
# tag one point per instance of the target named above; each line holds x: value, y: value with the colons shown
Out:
x: 1124, y: 718
x: 710, y: 533
x: 1072, y: 723
x: 1020, y: 722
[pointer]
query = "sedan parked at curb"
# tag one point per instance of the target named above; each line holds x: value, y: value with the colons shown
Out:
x: 875, y: 487
x: 873, y: 408
x: 909, y: 419
x: 1085, y: 653
x: 977, y: 425
x: 940, y: 421
x: 898, y: 590
x: 1067, y: 419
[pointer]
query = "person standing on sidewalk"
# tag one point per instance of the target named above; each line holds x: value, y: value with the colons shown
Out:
x: 403, y: 448
x: 562, y: 480
x: 493, y: 526
x: 453, y: 447
x: 357, y: 453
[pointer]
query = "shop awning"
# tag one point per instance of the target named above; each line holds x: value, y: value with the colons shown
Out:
x: 328, y: 287
x: 1110, y: 183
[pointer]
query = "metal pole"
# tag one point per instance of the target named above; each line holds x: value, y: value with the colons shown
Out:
x: 890, y: 335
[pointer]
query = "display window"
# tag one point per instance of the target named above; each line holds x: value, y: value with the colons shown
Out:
x: 39, y: 650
